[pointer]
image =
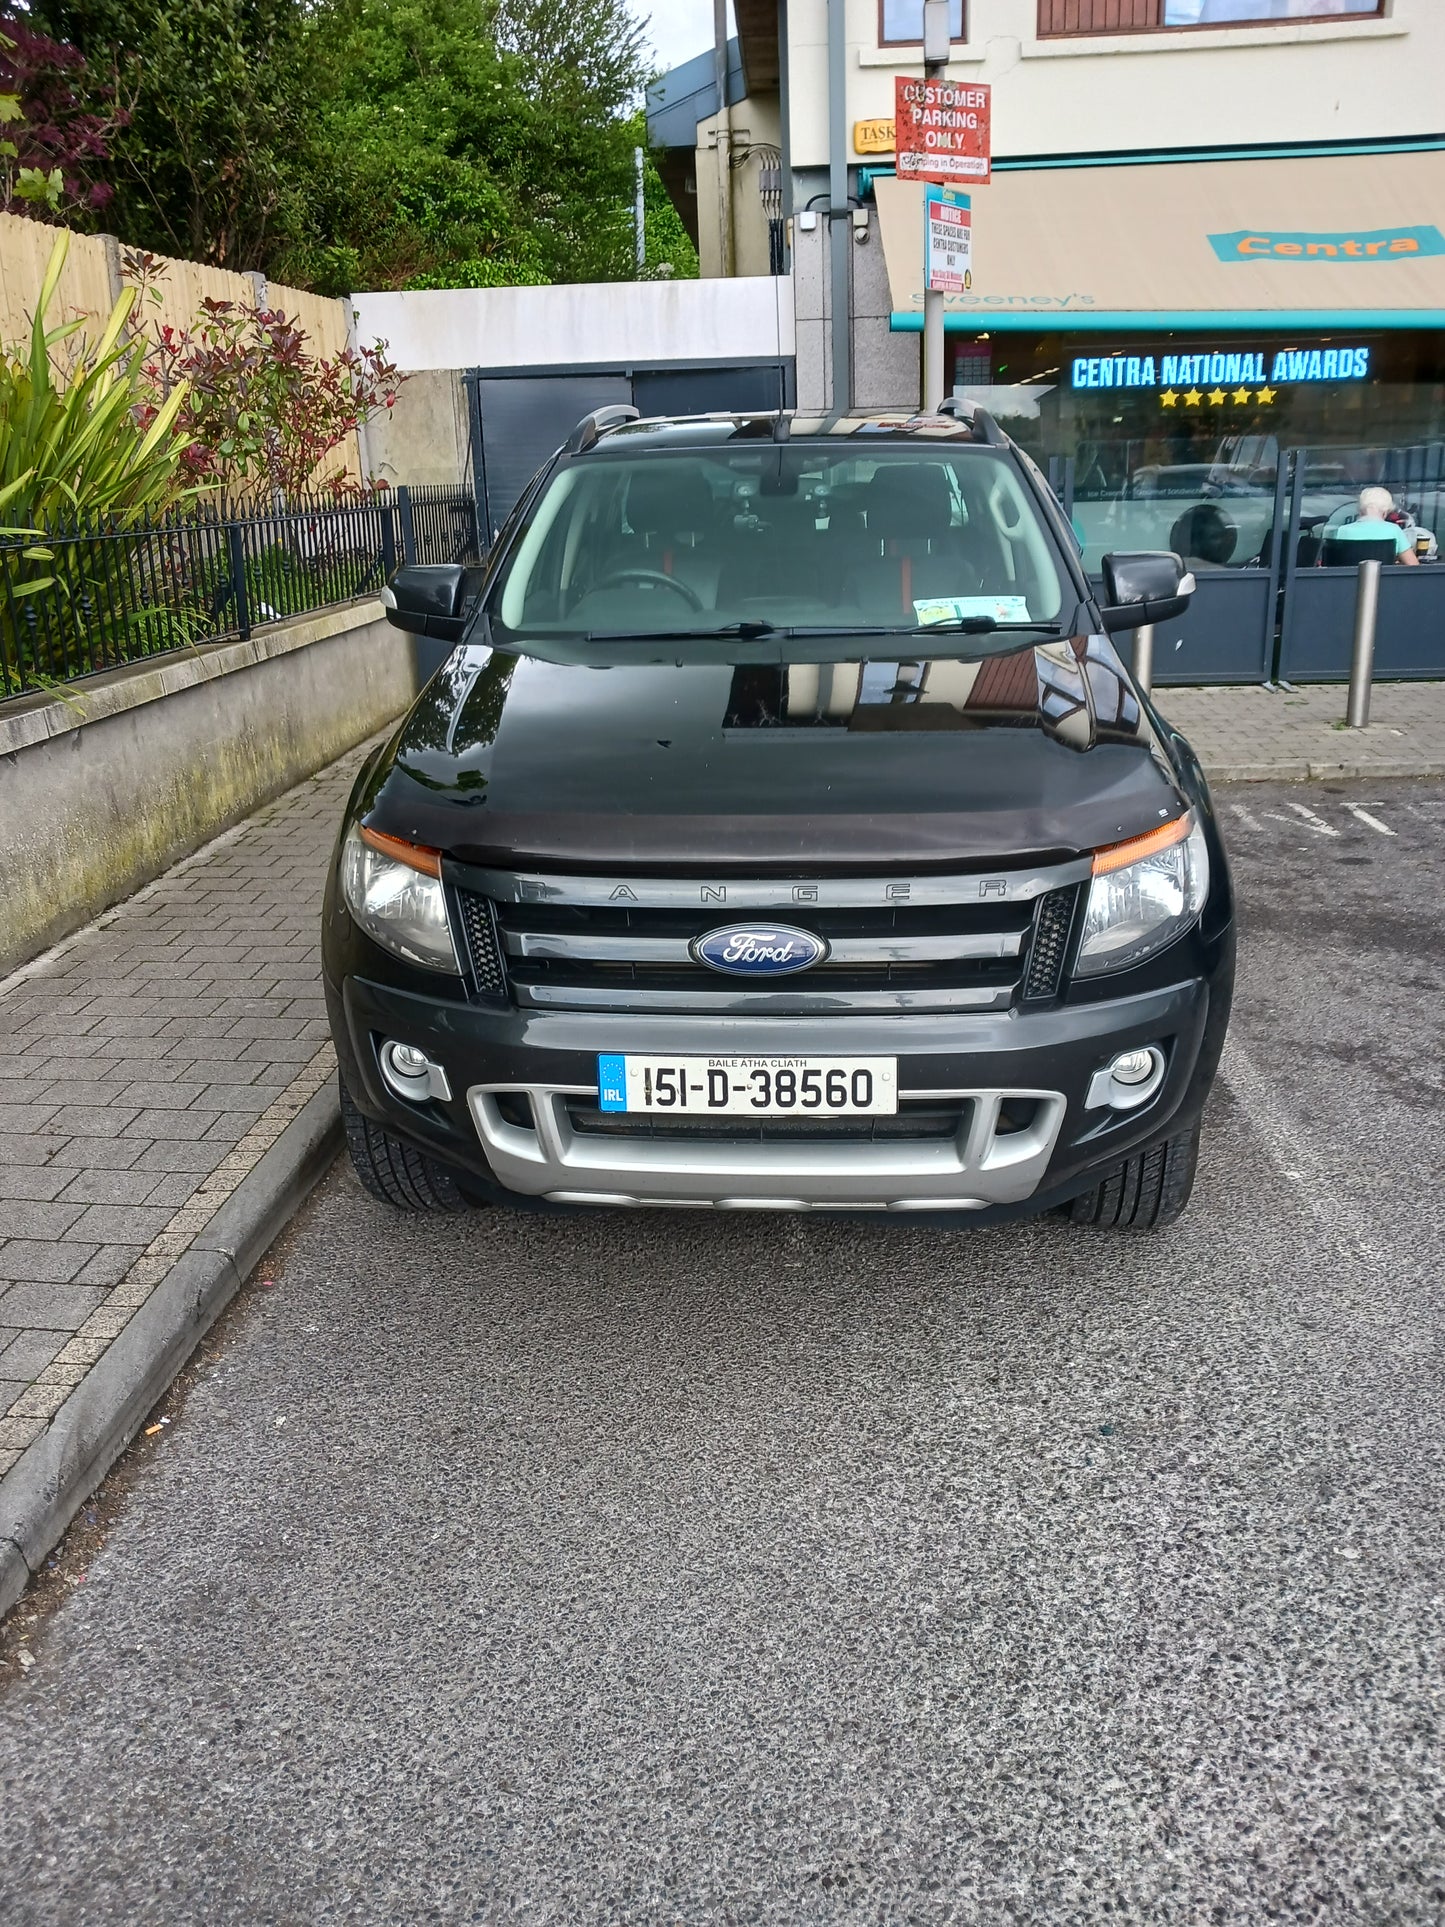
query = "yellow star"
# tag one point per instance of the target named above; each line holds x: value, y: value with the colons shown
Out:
x: 1169, y: 398
x: 1240, y: 397
x: 1193, y: 398
x: 1216, y: 398
x: 1265, y: 395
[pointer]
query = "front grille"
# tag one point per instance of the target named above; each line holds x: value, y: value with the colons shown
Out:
x: 914, y: 1124
x: 909, y: 945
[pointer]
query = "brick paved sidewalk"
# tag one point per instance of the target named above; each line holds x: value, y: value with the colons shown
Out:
x: 145, y: 1068
x: 1258, y: 734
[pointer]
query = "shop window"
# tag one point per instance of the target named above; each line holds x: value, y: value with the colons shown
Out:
x: 900, y: 22
x: 1063, y: 17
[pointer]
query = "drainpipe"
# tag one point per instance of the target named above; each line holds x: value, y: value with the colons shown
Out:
x: 724, y: 137
x: 840, y: 215
x: 785, y: 118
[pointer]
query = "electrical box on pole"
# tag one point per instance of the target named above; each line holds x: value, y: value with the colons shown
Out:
x: 937, y: 42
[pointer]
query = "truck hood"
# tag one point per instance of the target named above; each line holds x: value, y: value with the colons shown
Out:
x: 767, y: 756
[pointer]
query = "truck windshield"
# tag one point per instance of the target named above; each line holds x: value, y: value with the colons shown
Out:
x: 695, y: 542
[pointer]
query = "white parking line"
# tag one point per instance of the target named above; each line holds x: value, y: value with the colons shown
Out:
x: 1250, y: 821
x: 1316, y: 823
x: 1373, y: 821
x: 1295, y: 1151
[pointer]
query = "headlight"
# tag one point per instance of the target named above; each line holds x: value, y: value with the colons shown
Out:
x: 397, y: 898
x: 1145, y: 893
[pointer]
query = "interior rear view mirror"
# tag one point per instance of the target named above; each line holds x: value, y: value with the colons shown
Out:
x: 1144, y: 585
x: 428, y: 599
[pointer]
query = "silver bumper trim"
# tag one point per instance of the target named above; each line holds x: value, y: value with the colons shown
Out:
x: 981, y: 1166
x: 736, y: 1001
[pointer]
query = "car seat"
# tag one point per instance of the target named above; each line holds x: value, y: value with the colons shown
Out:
x: 911, y: 549
x: 1341, y: 552
x: 676, y: 526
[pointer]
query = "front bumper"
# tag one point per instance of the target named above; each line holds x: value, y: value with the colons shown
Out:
x: 515, y: 1077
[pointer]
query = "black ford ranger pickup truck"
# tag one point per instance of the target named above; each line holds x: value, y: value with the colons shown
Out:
x: 783, y: 830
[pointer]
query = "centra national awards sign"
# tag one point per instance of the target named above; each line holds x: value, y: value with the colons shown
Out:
x: 1221, y: 367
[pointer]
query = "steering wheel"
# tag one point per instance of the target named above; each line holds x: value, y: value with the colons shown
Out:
x: 655, y: 579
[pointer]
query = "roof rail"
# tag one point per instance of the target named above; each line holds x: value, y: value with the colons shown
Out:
x: 590, y: 430
x: 985, y: 428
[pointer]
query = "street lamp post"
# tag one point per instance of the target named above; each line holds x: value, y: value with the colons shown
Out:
x: 639, y: 209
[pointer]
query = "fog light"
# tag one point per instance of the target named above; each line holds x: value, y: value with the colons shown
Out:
x: 1132, y: 1067
x: 1128, y: 1081
x: 411, y: 1073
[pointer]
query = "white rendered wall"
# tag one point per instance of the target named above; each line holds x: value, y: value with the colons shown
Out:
x: 633, y: 323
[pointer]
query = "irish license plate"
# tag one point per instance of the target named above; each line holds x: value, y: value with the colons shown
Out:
x: 749, y: 1086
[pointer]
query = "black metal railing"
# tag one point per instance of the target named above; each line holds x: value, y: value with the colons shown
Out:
x: 103, y: 594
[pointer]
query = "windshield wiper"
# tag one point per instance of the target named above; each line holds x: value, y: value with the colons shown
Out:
x: 983, y: 626
x: 953, y: 625
x: 745, y: 631
x: 754, y: 631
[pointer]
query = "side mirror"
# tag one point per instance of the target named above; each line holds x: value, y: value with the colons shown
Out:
x: 1146, y: 585
x: 427, y: 598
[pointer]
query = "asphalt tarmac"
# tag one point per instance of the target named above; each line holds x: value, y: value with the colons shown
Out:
x: 643, y: 1568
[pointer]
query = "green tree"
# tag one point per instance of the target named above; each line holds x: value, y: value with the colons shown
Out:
x: 584, y: 57
x: 217, y: 94
x: 458, y: 146
x: 340, y: 144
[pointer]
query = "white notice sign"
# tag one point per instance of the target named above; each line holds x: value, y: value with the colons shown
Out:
x: 947, y: 240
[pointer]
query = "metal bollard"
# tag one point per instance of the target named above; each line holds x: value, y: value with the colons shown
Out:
x: 1144, y: 658
x: 1362, y: 660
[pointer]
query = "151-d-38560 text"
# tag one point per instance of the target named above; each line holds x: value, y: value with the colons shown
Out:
x: 749, y: 1086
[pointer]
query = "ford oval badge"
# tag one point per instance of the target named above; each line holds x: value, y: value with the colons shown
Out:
x: 759, y: 950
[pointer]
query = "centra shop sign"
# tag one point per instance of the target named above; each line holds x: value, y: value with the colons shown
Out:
x: 1378, y: 244
x: 1230, y: 368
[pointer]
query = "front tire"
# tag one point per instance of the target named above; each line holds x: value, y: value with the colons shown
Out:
x: 1146, y: 1192
x: 393, y: 1170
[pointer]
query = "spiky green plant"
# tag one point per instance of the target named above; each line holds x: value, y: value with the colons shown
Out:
x: 79, y: 446
x: 87, y: 443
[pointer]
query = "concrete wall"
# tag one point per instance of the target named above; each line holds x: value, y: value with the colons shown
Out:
x: 424, y: 438
x: 636, y: 323
x: 103, y: 789
x: 1329, y: 79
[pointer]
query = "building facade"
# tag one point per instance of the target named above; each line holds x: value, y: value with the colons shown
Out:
x: 1216, y: 228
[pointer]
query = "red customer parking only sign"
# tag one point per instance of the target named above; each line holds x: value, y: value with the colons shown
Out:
x: 941, y: 130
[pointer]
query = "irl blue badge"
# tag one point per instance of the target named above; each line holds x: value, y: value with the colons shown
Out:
x: 612, y: 1083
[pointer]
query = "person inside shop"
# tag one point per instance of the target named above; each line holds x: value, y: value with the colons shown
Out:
x: 1375, y: 523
